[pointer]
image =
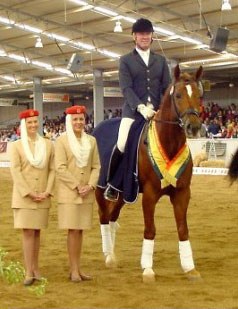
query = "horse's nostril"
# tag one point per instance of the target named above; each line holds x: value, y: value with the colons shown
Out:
x: 189, y: 128
x: 192, y: 129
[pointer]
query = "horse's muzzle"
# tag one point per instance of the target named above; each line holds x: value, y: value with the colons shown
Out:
x: 192, y: 128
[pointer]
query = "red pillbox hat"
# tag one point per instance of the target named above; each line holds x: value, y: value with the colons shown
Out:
x: 28, y: 113
x: 76, y: 109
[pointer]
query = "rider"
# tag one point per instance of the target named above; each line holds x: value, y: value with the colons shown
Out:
x: 143, y: 77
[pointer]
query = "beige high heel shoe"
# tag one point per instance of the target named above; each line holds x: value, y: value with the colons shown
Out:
x: 28, y: 280
x: 75, y: 279
x: 85, y: 277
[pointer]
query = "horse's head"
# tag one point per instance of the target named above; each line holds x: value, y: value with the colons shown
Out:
x: 186, y: 93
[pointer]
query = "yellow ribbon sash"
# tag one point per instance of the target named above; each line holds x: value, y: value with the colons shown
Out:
x: 168, y: 170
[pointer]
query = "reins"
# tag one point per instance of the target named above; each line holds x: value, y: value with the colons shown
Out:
x: 178, y: 122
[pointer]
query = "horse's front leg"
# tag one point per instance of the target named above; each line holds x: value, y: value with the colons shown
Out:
x: 104, y: 210
x: 148, y: 205
x: 111, y: 230
x: 180, y: 200
x: 108, y: 215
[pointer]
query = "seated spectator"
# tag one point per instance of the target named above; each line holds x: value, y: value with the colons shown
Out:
x: 229, y: 131
x: 14, y: 136
x: 235, y: 133
x: 214, y: 127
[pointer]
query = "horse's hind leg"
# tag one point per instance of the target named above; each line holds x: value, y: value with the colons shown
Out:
x: 180, y: 201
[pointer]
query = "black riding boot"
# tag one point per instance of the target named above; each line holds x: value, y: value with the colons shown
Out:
x: 110, y: 193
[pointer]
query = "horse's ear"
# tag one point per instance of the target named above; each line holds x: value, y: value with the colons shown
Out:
x: 199, y: 73
x: 176, y: 72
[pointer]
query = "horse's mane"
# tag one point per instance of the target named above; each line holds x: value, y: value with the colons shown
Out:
x: 165, y: 98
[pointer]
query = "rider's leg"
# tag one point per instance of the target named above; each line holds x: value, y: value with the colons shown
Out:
x: 125, y: 125
x: 124, y: 129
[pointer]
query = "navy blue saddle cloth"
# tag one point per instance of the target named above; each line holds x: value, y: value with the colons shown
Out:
x: 125, y: 179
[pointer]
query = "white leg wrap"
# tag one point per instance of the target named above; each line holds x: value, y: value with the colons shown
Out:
x: 114, y: 226
x: 106, y: 239
x: 186, y: 255
x: 147, y: 253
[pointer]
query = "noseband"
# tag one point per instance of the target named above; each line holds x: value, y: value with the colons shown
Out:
x: 179, y: 118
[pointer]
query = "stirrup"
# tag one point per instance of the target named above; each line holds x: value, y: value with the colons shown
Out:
x: 111, y: 194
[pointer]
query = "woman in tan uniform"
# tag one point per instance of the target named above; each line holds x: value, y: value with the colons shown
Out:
x: 77, y: 170
x: 32, y: 169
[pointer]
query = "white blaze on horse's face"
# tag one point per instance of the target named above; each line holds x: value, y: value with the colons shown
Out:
x: 189, y: 90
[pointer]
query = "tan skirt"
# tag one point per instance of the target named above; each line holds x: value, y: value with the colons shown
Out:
x: 30, y: 218
x: 75, y: 216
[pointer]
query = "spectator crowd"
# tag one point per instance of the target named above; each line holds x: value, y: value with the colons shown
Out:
x: 217, y: 121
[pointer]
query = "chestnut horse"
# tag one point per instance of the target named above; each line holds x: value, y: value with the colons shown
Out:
x: 177, y: 118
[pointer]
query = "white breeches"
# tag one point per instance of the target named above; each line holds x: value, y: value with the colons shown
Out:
x: 123, y: 133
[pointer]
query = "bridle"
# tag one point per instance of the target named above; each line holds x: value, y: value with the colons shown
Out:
x: 179, y: 116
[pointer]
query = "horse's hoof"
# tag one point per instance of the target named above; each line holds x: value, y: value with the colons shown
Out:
x: 110, y: 261
x: 148, y: 275
x: 193, y: 275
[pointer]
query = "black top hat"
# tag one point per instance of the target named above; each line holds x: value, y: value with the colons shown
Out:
x: 142, y: 25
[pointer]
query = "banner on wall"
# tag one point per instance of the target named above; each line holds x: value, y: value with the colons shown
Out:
x: 6, y: 102
x: 55, y: 98
x: 206, y: 85
x: 114, y: 92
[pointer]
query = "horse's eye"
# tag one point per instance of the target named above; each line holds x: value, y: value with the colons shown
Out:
x: 178, y: 95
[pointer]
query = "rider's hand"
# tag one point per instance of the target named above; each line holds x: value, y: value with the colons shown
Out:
x: 145, y: 111
x: 150, y: 105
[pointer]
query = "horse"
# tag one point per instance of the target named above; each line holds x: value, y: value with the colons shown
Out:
x: 233, y: 168
x: 177, y: 119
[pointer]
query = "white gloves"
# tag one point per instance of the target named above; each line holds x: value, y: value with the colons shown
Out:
x: 145, y: 111
x: 150, y: 105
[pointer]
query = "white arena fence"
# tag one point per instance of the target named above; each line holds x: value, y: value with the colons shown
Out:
x: 224, y: 149
x: 196, y: 170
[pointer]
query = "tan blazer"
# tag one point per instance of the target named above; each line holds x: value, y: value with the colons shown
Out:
x: 69, y: 175
x: 27, y: 178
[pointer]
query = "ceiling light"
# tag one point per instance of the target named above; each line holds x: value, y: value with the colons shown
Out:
x: 105, y: 11
x: 163, y: 31
x: 118, y: 27
x: 108, y: 53
x: 39, y: 43
x: 80, y: 2
x: 226, y: 5
x: 190, y: 40
x: 41, y: 64
x: 28, y: 28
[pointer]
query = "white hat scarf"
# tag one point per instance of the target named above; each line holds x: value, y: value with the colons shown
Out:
x: 38, y: 159
x: 80, y: 148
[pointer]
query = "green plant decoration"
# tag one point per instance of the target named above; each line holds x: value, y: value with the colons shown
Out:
x: 14, y: 272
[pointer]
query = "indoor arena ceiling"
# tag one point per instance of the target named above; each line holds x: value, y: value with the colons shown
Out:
x: 183, y: 32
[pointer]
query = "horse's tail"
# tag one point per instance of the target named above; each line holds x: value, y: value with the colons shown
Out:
x: 233, y: 168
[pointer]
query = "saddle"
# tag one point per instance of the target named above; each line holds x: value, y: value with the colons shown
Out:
x: 125, y: 179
